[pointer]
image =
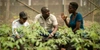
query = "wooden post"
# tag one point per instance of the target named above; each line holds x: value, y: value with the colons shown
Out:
x: 7, y: 10
x: 92, y: 10
x: 89, y: 13
x: 93, y: 13
x: 93, y: 17
x: 63, y: 6
x: 28, y: 6
x: 94, y: 4
x: 29, y: 2
x: 3, y: 3
x: 46, y: 3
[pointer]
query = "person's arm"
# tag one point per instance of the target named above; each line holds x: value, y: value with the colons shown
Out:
x: 64, y: 18
x: 67, y: 24
x: 54, y: 31
x: 55, y: 26
x: 14, y: 31
x: 78, y: 23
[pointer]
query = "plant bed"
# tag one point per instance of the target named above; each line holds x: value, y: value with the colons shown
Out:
x: 33, y: 41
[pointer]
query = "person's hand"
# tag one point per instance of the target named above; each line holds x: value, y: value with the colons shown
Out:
x: 51, y: 35
x: 18, y: 36
x: 63, y: 16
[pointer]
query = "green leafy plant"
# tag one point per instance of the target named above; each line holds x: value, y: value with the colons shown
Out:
x: 31, y: 39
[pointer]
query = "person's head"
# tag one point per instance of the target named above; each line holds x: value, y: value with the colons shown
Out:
x: 72, y: 7
x: 45, y: 12
x: 23, y: 17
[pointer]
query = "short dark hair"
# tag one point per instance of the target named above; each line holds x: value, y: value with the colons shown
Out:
x: 43, y: 9
x: 74, y: 5
x: 23, y: 15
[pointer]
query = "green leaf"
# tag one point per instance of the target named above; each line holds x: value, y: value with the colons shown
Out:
x: 20, y: 40
x: 23, y: 39
x: 37, y: 43
x: 18, y: 46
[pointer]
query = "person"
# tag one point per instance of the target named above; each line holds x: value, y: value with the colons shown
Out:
x: 22, y: 21
x: 47, y: 21
x: 76, y: 19
x: 75, y: 22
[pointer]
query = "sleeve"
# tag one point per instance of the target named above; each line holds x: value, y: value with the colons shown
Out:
x: 27, y: 23
x: 14, y: 26
x: 54, y: 20
x: 79, y: 17
x: 36, y: 18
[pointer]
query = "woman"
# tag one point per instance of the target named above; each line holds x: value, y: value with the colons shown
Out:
x: 76, y: 20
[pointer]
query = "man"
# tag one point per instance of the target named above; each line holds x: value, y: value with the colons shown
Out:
x: 22, y: 21
x: 47, y: 21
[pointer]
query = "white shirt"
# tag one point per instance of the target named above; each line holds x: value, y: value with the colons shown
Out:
x: 48, y: 23
x: 16, y: 24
